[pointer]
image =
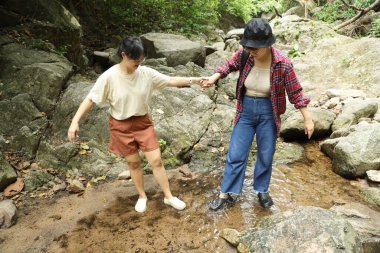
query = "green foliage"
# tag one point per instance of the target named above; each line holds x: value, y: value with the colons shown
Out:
x: 186, y: 16
x: 295, y: 52
x: 336, y: 10
x: 162, y: 143
x: 375, y: 30
x: 265, y: 6
x: 240, y: 8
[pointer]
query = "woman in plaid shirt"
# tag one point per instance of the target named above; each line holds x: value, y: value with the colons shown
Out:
x: 260, y: 92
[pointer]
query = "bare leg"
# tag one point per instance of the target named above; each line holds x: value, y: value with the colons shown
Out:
x: 154, y: 159
x: 134, y: 164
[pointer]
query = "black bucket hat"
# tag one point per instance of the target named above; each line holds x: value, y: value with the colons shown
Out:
x: 258, y: 34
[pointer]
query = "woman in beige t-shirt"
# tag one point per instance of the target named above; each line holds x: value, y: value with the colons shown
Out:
x: 127, y: 87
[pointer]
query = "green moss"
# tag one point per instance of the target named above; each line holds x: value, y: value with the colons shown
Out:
x: 171, y: 162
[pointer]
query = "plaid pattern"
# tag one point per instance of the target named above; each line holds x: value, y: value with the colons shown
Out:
x: 283, y: 78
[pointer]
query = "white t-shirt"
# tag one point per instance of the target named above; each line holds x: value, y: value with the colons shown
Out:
x: 258, y: 82
x: 128, y: 95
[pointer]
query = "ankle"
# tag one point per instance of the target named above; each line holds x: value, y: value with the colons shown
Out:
x: 223, y: 195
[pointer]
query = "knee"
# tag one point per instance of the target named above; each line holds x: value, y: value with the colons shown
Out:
x: 134, y: 165
x: 156, y: 163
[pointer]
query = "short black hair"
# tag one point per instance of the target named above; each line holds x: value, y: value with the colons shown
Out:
x: 132, y: 46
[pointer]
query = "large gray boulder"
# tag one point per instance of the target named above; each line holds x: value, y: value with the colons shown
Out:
x: 7, y: 173
x: 32, y: 81
x: 365, y: 220
x: 307, y: 229
x: 342, y: 69
x: 293, y: 126
x: 48, y: 21
x: 352, y: 111
x: 40, y: 74
x: 176, y: 48
x: 356, y: 151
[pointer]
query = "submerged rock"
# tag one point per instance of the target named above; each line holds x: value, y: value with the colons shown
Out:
x: 309, y: 229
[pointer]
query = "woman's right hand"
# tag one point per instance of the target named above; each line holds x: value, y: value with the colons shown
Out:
x: 73, y: 131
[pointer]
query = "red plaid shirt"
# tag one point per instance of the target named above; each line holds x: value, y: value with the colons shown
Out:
x: 283, y: 78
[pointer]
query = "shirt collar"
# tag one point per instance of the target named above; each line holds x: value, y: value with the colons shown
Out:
x: 277, y: 55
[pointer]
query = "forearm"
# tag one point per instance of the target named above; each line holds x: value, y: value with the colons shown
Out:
x: 84, y: 107
x: 215, y: 77
x: 177, y: 81
x: 305, y: 113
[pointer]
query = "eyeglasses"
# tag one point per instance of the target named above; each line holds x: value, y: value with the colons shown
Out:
x: 139, y: 61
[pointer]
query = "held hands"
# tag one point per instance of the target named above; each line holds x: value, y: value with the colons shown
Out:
x: 197, y: 80
x: 207, y: 82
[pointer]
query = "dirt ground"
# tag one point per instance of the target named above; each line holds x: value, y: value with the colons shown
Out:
x: 103, y: 219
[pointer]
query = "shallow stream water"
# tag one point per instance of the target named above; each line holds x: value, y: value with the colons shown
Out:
x: 119, y: 228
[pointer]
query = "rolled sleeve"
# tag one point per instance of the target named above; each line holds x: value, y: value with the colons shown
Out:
x: 294, y: 88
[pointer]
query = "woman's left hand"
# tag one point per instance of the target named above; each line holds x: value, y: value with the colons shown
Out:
x: 309, y: 127
x: 198, y: 80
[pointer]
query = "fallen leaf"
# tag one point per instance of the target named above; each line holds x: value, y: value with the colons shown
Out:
x: 226, y: 97
x: 198, y: 145
x: 85, y: 147
x: 14, y: 188
x: 95, y: 180
x: 27, y: 32
x: 81, y: 178
x: 83, y: 152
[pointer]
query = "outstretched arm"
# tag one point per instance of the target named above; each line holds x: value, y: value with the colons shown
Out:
x: 84, y: 107
x: 177, y: 81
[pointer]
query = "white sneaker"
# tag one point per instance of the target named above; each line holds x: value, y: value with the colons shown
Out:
x: 140, y: 206
x: 175, y: 202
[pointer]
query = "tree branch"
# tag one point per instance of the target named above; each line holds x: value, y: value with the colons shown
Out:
x: 373, y: 6
x: 351, y: 6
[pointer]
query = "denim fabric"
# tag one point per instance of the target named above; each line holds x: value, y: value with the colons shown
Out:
x: 256, y: 119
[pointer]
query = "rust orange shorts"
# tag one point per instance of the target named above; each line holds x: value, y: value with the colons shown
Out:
x: 130, y: 135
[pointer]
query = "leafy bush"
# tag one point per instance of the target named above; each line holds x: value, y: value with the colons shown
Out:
x: 187, y: 16
x: 239, y: 8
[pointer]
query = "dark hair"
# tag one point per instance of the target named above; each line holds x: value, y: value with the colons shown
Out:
x: 132, y: 47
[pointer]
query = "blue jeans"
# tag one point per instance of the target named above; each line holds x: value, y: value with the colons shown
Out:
x: 256, y: 118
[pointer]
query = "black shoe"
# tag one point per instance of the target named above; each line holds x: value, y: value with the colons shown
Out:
x: 265, y: 200
x: 218, y: 203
